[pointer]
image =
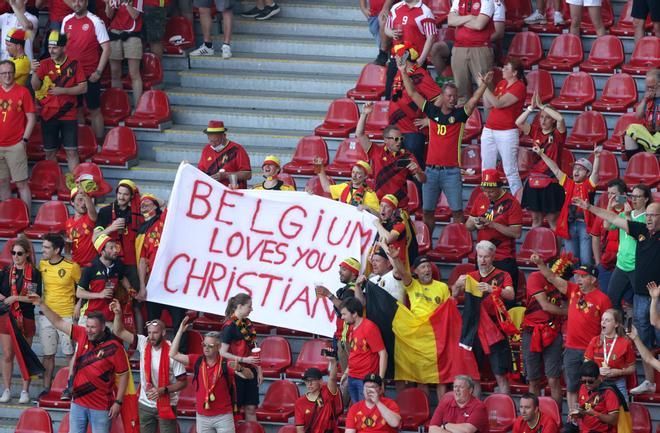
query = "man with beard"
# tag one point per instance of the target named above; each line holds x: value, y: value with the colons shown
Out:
x: 394, y: 228
x: 224, y: 160
x: 356, y: 192
x: 531, y: 419
x: 80, y: 227
x: 162, y: 377
x: 382, y: 275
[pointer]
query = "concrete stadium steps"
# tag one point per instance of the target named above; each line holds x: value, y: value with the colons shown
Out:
x: 344, y: 10
x: 282, y: 25
x: 246, y: 118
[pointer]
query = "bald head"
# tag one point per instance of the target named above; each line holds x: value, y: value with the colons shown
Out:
x: 653, y: 217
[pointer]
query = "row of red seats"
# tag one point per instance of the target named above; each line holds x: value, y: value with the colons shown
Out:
x: 151, y: 71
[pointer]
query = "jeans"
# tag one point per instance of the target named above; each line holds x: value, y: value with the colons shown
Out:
x: 604, y: 277
x: 415, y: 142
x: 505, y: 143
x: 374, y: 28
x: 439, y: 180
x: 580, y: 242
x: 80, y: 417
x: 355, y: 389
x: 642, y: 321
x: 620, y: 287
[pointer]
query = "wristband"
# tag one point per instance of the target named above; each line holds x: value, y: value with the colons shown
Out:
x: 25, y: 140
x: 119, y: 402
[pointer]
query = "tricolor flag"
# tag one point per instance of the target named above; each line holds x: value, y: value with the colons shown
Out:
x: 28, y: 361
x: 129, y: 408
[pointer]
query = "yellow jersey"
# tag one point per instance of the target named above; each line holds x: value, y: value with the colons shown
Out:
x: 424, y: 299
x: 59, y: 285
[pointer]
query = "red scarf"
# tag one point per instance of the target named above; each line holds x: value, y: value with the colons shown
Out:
x: 573, y: 189
x: 163, y: 403
x: 209, y: 383
x: 13, y: 278
x: 356, y: 195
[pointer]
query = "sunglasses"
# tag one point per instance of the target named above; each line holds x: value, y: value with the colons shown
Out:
x: 151, y: 322
x: 208, y: 346
x: 588, y: 381
x: 396, y: 139
x: 17, y: 253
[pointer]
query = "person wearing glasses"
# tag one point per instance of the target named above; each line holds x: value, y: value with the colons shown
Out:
x: 598, y: 403
x: 586, y: 305
x: 319, y: 409
x: 392, y: 164
x: 17, y: 280
x: 162, y: 377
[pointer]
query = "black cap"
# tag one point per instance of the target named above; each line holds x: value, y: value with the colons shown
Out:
x: 380, y: 252
x: 587, y: 270
x: 419, y: 260
x: 312, y: 373
x: 373, y: 377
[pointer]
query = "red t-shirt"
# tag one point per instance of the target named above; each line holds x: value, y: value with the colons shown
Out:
x: 67, y: 75
x: 364, y: 343
x: 80, y: 231
x: 505, y: 210
x: 231, y: 158
x: 622, y: 355
x: 375, y: 7
x: 404, y: 110
x: 152, y: 241
x: 222, y: 403
x: 466, y: 37
x: 505, y: 118
x: 608, y: 243
x: 85, y: 36
x: 584, y: 313
x: 545, y: 424
x: 157, y: 3
x: 389, y: 174
x: 96, y: 278
x: 552, y: 145
x: 58, y: 10
x: 319, y: 415
x: 474, y: 412
x: 534, y: 314
x: 445, y: 135
x: 14, y: 104
x: 489, y: 330
x: 416, y: 21
x: 364, y: 419
x: 97, y: 363
x: 602, y: 402
x: 123, y: 22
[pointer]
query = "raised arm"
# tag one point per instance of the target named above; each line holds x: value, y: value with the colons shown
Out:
x: 400, y: 269
x: 408, y: 84
x: 332, y: 375
x: 52, y: 316
x: 552, y: 165
x: 561, y: 123
x: 644, y: 352
x: 593, y: 177
x: 483, y: 81
x: 174, y: 348
x: 555, y: 280
x: 654, y: 291
x: 361, y: 137
x: 118, y: 325
x: 604, y: 214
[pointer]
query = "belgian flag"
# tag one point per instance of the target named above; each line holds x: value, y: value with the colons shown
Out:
x: 129, y: 408
x: 421, y: 349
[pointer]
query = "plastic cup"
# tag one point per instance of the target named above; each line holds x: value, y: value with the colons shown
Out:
x: 233, y: 180
x: 256, y: 352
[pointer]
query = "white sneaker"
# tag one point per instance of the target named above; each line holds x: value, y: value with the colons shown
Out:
x: 203, y: 50
x: 226, y: 51
x: 645, y: 387
x: 535, y: 18
x: 6, y: 396
x: 559, y: 19
x: 25, y: 398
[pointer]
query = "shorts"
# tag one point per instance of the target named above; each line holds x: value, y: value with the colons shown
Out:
x: 546, y: 200
x: 439, y: 180
x: 573, y: 359
x: 585, y: 3
x: 220, y: 5
x: 643, y: 137
x: 29, y: 328
x: 51, y: 336
x: 642, y: 8
x: 215, y: 424
x: 642, y: 321
x: 154, y: 19
x: 551, y: 357
x: 131, y: 48
x: 247, y: 391
x: 91, y: 99
x: 500, y: 358
x: 13, y: 163
x: 58, y: 133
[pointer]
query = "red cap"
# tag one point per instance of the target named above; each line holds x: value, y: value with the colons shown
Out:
x: 490, y: 178
x: 215, y: 127
x: 16, y: 36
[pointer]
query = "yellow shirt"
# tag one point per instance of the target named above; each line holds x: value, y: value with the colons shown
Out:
x: 424, y: 299
x: 59, y: 285
x: 370, y: 197
x: 22, y: 69
x: 283, y: 187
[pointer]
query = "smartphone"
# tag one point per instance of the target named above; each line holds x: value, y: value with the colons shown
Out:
x: 405, y: 57
x: 402, y: 163
x: 329, y: 352
x: 621, y: 199
x: 629, y: 324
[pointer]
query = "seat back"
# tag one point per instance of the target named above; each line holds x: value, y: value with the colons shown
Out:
x: 87, y: 144
x: 608, y: 168
x: 413, y: 196
x: 281, y: 395
x: 5, y: 255
x: 471, y: 157
x: 120, y: 139
x: 643, y: 167
x: 607, y: 49
x: 153, y: 103
x: 526, y: 47
x: 287, y: 179
x: 310, y: 148
x: 14, y: 212
x: 379, y: 118
x: 413, y: 402
x: 517, y: 9
x: 567, y: 161
x: 540, y: 81
x: 647, y: 50
x: 52, y: 213
x: 34, y: 420
x: 46, y: 173
x: 622, y: 124
x: 60, y: 381
x: 566, y: 46
x: 89, y: 168
x: 349, y: 152
x: 504, y: 408
x: 474, y: 124
x: 64, y: 424
x: 590, y: 124
x: 152, y: 69
x: 460, y: 269
x: 275, y: 351
x: 641, y: 419
x: 578, y: 85
x: 115, y: 102
x: 310, y: 353
x: 342, y: 112
x: 314, y: 185
x: 542, y: 241
x: 625, y: 17
x: 372, y: 78
x: 457, y: 236
x: 620, y: 87
x: 548, y: 406
x: 195, y: 340
x: 181, y: 26
x: 249, y: 427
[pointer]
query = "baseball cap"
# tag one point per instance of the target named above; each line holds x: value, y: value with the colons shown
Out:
x: 490, y: 178
x: 312, y: 373
x: 587, y: 270
x: 57, y: 39
x: 373, y: 377
x: 419, y: 260
x: 584, y: 162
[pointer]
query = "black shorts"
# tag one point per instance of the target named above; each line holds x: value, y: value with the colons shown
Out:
x: 550, y: 357
x: 500, y: 358
x: 58, y: 133
x: 92, y: 98
x: 155, y: 21
x: 642, y: 8
x: 247, y: 391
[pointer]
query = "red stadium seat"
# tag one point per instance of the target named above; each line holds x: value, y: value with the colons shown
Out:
x: 471, y: 159
x: 64, y: 424
x: 178, y: 27
x: 115, y: 106
x: 442, y: 210
x: 473, y: 196
x: 5, y: 254
x: 378, y: 120
x: 642, y: 168
x: 287, y: 179
x: 539, y: 240
x: 516, y: 11
x: 607, y: 16
x: 645, y: 56
x: 641, y: 419
x: 43, y: 179
x: 589, y: 128
x: 341, y: 119
x: 540, y: 81
x: 624, y: 27
x: 440, y: 9
x: 413, y: 197
x: 287, y: 429
x: 549, y: 407
x: 564, y: 54
x: 526, y: 158
x: 35, y: 146
x: 454, y: 244
x: 608, y: 170
x: 279, y: 402
x: 526, y: 48
x: 208, y: 322
x: 459, y: 269
x: 473, y: 127
x: 576, y: 93
x: 34, y: 420
x: 605, y: 55
x: 371, y: 84
x: 51, y: 218
x: 14, y: 217
x: 567, y: 160
x: 151, y: 72
x: 502, y: 405
x: 153, y: 109
x: 195, y: 340
x: 308, y: 149
x: 314, y: 185
x: 187, y: 400
x: 615, y: 142
x: 249, y: 427
x: 87, y: 145
x: 119, y: 147
x: 652, y: 398
x: 349, y: 152
x: 275, y: 356
x: 52, y: 399
x: 414, y: 406
x: 619, y: 94
x: 309, y: 356
x: 423, y: 237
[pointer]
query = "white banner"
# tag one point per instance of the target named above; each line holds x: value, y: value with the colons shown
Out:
x: 274, y: 245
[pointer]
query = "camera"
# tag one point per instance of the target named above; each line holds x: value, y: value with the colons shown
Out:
x: 329, y: 352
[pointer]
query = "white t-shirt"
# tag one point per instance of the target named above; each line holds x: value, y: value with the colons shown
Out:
x: 176, y: 369
x: 500, y: 11
x: 8, y: 21
x: 390, y: 284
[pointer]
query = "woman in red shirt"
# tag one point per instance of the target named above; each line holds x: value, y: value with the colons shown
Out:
x: 542, y: 195
x: 500, y: 135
